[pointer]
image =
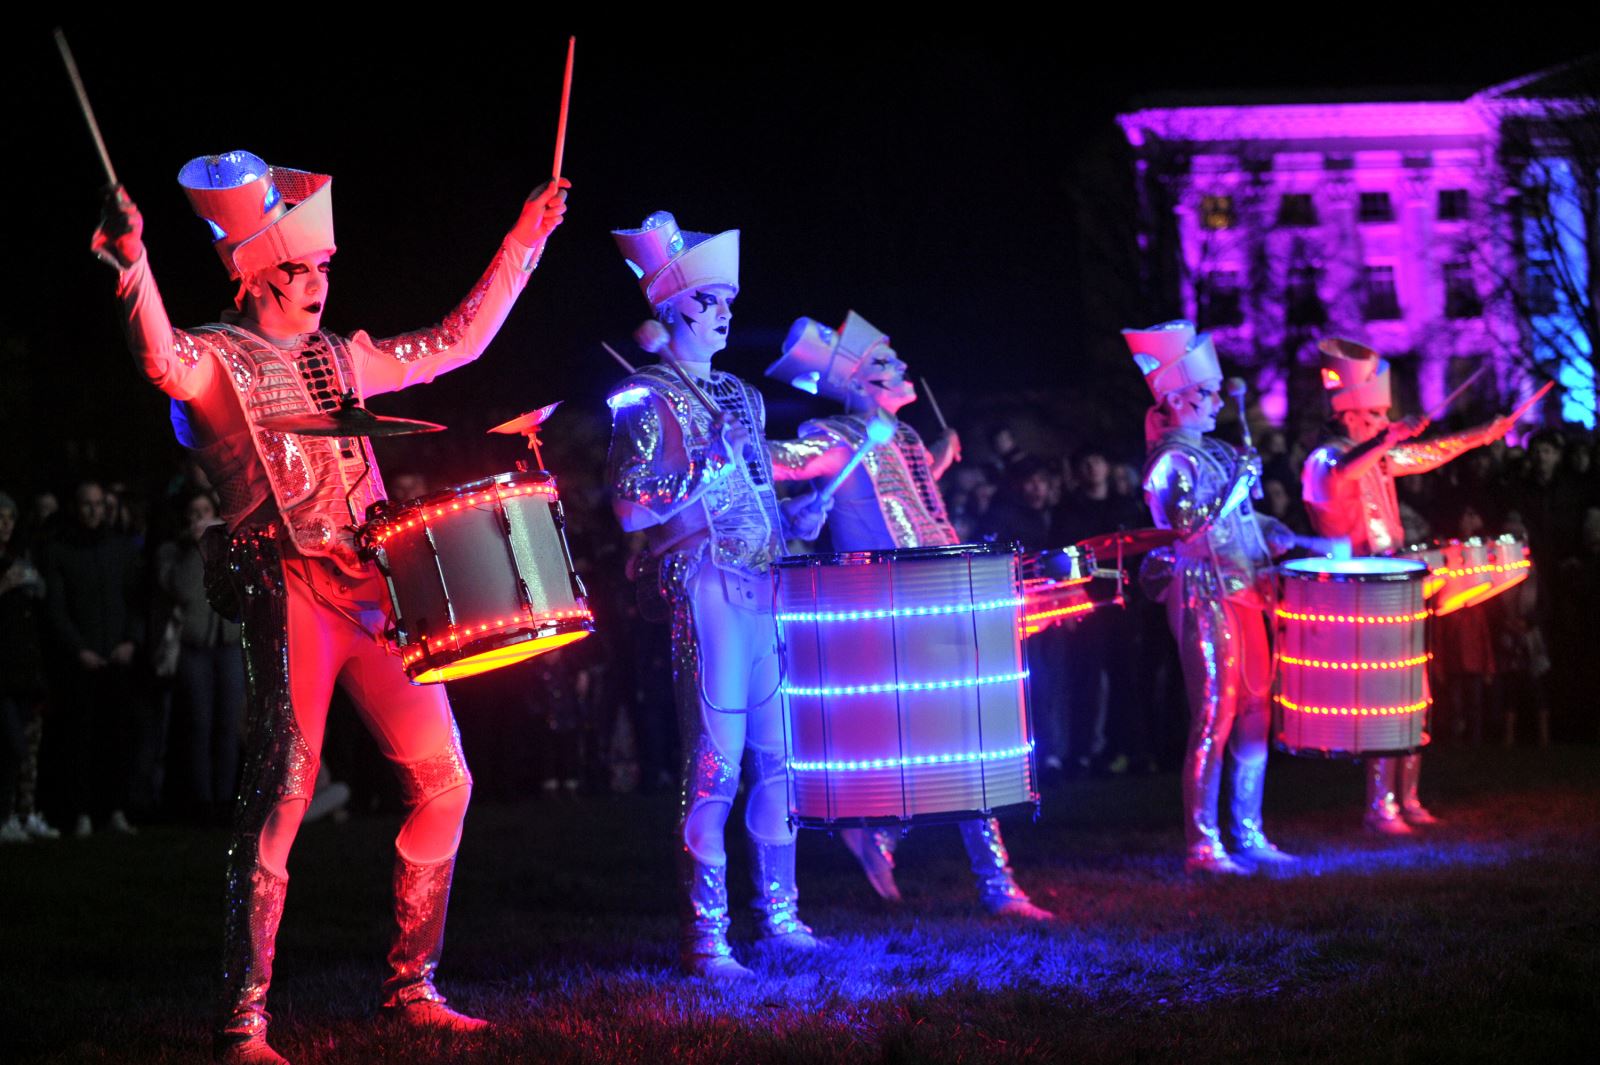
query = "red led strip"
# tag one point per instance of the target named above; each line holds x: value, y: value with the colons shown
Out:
x: 1311, y: 663
x: 457, y: 634
x: 1355, y: 619
x: 1356, y: 711
x: 1493, y: 567
x: 543, y: 491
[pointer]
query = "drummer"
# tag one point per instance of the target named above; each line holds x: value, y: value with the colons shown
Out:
x: 311, y: 605
x: 891, y: 500
x: 1348, y: 485
x: 700, y: 487
x: 1215, y: 582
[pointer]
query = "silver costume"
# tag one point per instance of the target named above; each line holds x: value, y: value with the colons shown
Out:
x: 1216, y: 585
x: 713, y: 526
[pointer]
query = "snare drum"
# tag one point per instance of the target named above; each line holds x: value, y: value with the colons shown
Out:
x: 1459, y: 572
x: 1352, y: 676
x: 1509, y: 563
x: 1055, y: 587
x: 479, y: 576
x: 904, y: 692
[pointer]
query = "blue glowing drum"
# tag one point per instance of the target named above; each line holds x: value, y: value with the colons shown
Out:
x: 1352, y: 676
x: 904, y: 689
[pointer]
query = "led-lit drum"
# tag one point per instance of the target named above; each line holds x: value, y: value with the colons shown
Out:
x: 1459, y: 573
x: 1055, y: 587
x: 904, y: 685
x: 479, y: 576
x: 1509, y: 563
x: 1352, y: 657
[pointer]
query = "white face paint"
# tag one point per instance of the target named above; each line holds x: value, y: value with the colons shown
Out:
x: 881, y: 380
x: 1196, y: 407
x: 288, y: 299
x: 1364, y: 423
x: 700, y: 321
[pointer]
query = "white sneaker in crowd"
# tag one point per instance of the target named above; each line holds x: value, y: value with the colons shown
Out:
x: 37, y: 827
x: 84, y: 828
x: 13, y: 832
x: 118, y: 823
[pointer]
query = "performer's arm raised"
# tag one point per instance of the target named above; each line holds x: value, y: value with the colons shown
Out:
x: 418, y: 357
x: 1420, y: 456
x: 818, y: 453
x: 173, y: 360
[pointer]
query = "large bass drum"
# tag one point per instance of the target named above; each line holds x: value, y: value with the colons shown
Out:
x: 479, y: 576
x: 905, y: 690
x: 1352, y: 676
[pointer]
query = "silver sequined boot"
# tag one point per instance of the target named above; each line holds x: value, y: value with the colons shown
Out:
x: 991, y: 866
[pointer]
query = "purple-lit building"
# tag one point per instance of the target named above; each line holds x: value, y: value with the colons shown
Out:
x: 1411, y: 225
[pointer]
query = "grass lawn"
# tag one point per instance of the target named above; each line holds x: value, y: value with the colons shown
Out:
x: 1476, y: 942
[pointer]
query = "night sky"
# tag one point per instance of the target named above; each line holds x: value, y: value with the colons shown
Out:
x: 929, y: 184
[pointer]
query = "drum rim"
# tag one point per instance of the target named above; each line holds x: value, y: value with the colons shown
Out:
x: 446, y: 495
x: 1343, y: 755
x: 943, y: 817
x: 505, y: 638
x: 1418, y: 574
x: 896, y: 554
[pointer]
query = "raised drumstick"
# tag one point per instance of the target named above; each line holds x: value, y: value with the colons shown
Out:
x: 566, y: 98
x: 83, y: 105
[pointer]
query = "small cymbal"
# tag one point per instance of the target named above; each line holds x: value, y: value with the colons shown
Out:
x: 525, y: 423
x: 347, y: 421
x: 1129, y: 542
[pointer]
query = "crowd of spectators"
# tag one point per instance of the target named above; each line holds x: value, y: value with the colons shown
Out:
x: 121, y: 690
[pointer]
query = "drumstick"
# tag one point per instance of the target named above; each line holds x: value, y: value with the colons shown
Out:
x: 1237, y: 389
x: 1444, y: 404
x: 880, y: 430
x: 626, y: 365
x: 83, y: 105
x: 566, y: 97
x: 690, y: 384
x: 1527, y: 404
x: 934, y: 403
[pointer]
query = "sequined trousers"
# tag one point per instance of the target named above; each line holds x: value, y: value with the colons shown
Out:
x: 305, y: 628
x: 726, y: 674
x: 1227, y: 671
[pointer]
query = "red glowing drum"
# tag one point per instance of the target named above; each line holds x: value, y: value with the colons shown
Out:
x: 479, y: 576
x: 1352, y: 657
x: 1055, y: 587
x: 904, y: 686
x: 1459, y: 573
x: 1509, y: 563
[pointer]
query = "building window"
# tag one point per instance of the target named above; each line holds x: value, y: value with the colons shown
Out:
x: 1461, y: 299
x: 1542, y: 288
x: 1221, y: 302
x: 1453, y: 205
x: 1297, y: 209
x: 1216, y: 212
x: 1375, y: 207
x: 1305, y: 302
x: 1380, y: 300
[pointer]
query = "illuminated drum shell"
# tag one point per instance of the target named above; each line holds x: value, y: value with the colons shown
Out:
x: 1509, y: 562
x: 479, y: 576
x: 941, y: 731
x: 1352, y: 677
x: 1460, y: 573
x: 1055, y: 587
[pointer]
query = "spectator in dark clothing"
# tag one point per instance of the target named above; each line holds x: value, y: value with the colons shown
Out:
x: 22, y: 685
x: 1023, y: 514
x: 208, y: 680
x: 1107, y: 724
x: 91, y: 577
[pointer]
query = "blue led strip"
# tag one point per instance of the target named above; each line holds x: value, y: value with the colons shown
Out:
x: 907, y: 685
x: 966, y: 758
x: 903, y: 612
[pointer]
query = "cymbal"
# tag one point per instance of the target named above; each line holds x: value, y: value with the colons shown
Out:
x: 348, y: 420
x: 526, y: 423
x: 1129, y: 542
